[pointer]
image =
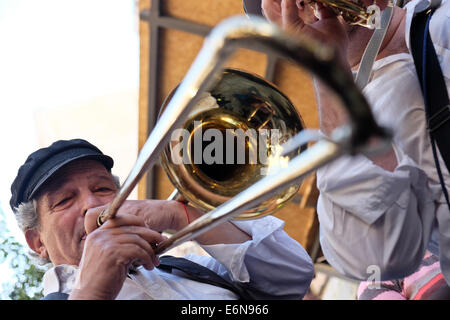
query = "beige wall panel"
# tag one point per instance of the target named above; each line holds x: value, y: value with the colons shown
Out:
x: 300, y: 214
x: 249, y: 61
x: 300, y: 223
x: 164, y: 186
x: 296, y: 83
x: 208, y: 12
x: 144, y: 44
x: 177, y: 51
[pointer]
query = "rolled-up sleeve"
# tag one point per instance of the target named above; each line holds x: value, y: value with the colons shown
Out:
x: 272, y: 262
x: 370, y: 217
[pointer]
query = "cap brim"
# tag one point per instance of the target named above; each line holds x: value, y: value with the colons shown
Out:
x: 58, y: 161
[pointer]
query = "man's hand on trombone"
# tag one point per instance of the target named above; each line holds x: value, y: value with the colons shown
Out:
x: 127, y: 239
x: 161, y: 215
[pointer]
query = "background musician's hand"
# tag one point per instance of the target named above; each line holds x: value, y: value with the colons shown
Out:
x: 296, y: 17
x: 109, y: 252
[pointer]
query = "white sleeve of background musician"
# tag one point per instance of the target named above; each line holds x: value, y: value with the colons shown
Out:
x: 375, y: 220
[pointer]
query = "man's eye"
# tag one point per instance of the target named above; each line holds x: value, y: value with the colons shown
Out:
x: 103, y: 189
x: 63, y: 201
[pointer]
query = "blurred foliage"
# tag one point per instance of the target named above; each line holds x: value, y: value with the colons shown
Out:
x: 26, y: 282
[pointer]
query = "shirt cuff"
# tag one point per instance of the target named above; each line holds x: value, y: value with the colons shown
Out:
x: 231, y: 256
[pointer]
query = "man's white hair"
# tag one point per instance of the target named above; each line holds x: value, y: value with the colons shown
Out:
x: 28, y: 218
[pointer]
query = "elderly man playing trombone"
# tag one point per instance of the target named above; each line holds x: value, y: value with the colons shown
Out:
x: 57, y: 196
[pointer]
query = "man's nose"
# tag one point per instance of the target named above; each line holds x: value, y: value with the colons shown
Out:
x: 90, y: 200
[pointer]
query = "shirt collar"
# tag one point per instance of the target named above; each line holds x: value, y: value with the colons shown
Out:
x: 60, y: 278
x: 414, y: 7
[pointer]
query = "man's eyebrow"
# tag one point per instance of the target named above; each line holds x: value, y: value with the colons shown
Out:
x: 52, y: 193
x: 54, y: 186
x: 108, y: 178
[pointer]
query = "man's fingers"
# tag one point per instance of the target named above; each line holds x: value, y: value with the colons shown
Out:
x: 150, y: 236
x: 90, y: 220
x: 124, y: 220
x: 132, y: 254
x: 115, y: 239
x: 324, y: 12
x: 271, y: 9
x: 146, y: 238
x: 290, y: 17
x: 125, y: 216
x: 151, y: 259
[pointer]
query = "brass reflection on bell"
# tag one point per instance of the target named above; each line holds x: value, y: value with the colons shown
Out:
x: 232, y: 139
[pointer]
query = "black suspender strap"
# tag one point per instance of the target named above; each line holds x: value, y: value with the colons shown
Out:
x: 56, y: 296
x: 197, y: 272
x: 191, y: 270
x: 200, y: 273
x: 434, y: 90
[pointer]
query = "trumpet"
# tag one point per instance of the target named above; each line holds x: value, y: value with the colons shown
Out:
x: 205, y: 73
x: 353, y: 12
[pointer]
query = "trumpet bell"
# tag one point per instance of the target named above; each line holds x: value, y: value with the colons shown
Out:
x: 231, y: 140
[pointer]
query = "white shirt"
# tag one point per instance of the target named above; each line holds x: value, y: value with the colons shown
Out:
x: 372, y: 217
x: 271, y: 261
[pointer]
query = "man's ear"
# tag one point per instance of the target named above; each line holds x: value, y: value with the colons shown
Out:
x: 33, y: 238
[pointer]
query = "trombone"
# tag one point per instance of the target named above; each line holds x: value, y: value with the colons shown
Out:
x: 224, y: 39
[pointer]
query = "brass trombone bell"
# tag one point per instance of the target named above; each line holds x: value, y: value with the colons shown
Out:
x: 249, y: 119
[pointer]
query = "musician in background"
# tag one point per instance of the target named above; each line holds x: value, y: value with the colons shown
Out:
x: 60, y: 191
x: 380, y: 213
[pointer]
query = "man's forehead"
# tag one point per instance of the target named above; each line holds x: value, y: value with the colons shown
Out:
x: 89, y: 169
